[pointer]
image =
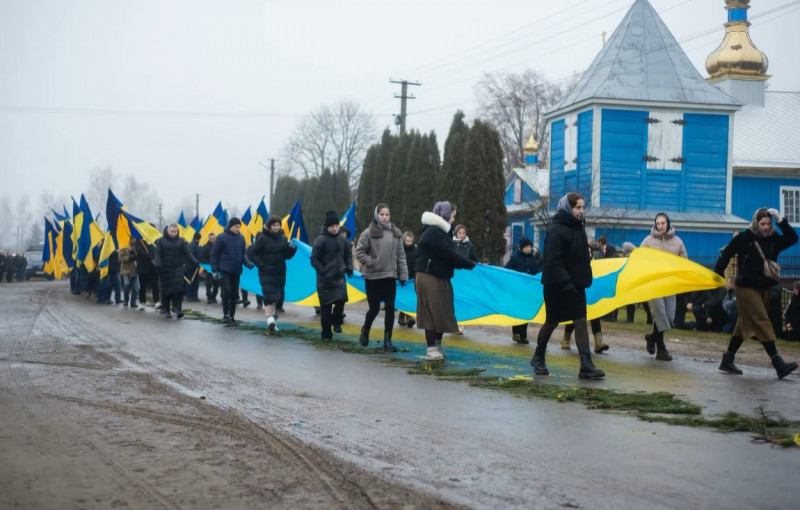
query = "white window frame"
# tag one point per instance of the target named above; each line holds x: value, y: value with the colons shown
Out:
x: 571, y: 142
x: 792, y: 215
x: 517, y: 190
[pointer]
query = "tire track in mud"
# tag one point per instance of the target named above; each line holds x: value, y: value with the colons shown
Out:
x: 38, y: 406
x: 314, y: 468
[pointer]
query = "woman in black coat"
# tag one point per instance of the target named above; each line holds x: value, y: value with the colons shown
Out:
x: 566, y: 276
x: 751, y: 247
x: 171, y: 253
x: 437, y: 259
x: 331, y: 258
x: 269, y: 253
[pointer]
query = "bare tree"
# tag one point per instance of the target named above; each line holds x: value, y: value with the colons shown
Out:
x: 511, y: 103
x: 333, y: 137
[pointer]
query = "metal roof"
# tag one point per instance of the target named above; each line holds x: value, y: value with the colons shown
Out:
x: 767, y: 136
x: 642, y: 61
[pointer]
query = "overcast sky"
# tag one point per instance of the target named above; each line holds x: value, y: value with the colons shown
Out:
x: 190, y: 95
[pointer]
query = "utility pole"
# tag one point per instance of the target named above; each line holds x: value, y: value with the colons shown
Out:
x: 403, y: 97
x: 160, y: 217
x: 271, y: 180
x: 197, y: 205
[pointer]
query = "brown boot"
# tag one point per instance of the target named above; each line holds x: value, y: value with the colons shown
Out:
x: 565, y: 341
x: 599, y: 346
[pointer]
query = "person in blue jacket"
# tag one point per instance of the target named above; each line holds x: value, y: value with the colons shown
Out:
x: 228, y: 255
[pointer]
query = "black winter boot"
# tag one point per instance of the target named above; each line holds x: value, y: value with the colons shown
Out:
x: 782, y: 368
x: 727, y: 364
x: 651, y: 338
x: 537, y: 362
x: 588, y: 370
x: 662, y: 353
x: 363, y: 338
x: 387, y: 342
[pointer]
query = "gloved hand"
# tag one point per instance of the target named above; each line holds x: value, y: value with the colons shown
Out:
x: 349, y: 273
x: 217, y: 276
x: 776, y: 214
x: 402, y: 283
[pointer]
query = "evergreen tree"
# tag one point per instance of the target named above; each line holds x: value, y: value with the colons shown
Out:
x: 483, y: 211
x: 420, y: 191
x: 449, y: 185
x: 340, y: 191
x: 387, y: 146
x: 287, y: 191
x: 312, y: 216
x: 397, y: 178
x: 324, y: 199
x: 365, y: 188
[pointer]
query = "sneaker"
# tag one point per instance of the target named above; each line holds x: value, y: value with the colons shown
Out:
x: 271, y: 324
x: 433, y: 354
x: 157, y: 304
x: 180, y: 315
x: 141, y: 307
x: 337, y: 328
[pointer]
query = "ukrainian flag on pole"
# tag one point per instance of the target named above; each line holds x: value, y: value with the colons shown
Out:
x: 293, y: 225
x: 349, y: 221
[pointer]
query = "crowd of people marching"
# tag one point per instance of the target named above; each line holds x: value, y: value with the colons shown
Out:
x: 171, y: 270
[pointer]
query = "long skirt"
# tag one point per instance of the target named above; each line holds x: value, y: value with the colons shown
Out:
x: 560, y: 306
x: 753, y: 322
x: 663, y: 310
x: 435, y: 304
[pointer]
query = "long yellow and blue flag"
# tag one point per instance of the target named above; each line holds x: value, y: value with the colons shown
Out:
x: 293, y: 225
x: 89, y: 236
x: 244, y: 229
x: 256, y: 224
x: 349, y: 221
x: 493, y: 295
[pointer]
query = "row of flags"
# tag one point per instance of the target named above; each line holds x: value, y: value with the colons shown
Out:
x: 80, y: 241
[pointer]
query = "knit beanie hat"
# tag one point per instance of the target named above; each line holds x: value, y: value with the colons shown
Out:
x: 331, y: 218
x: 234, y: 221
x: 525, y: 242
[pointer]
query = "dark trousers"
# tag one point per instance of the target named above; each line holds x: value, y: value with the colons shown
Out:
x: 383, y: 289
x: 521, y: 330
x: 330, y: 315
x: 279, y: 302
x: 116, y: 286
x: 229, y: 288
x: 594, y: 323
x: 148, y: 280
x: 212, y: 287
x: 173, y: 300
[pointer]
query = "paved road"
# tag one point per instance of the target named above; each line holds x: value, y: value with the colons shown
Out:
x: 465, y: 445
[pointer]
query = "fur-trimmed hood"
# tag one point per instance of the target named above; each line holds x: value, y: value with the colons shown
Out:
x: 376, y: 230
x: 429, y: 218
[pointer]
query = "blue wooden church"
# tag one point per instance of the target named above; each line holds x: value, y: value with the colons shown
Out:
x: 643, y: 132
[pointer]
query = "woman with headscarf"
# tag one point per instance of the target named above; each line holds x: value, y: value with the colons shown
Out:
x: 269, y: 253
x: 566, y: 275
x: 383, y: 261
x: 171, y: 253
x: 437, y: 259
x: 753, y: 247
x: 662, y: 237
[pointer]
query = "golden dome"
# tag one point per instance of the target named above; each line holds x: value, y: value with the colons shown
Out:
x: 531, y: 146
x: 737, y: 55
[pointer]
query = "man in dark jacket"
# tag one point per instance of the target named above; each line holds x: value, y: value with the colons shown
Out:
x: 331, y: 259
x: 523, y: 261
x: 193, y: 270
x: 172, y: 255
x: 212, y: 284
x: 114, y: 278
x: 228, y: 255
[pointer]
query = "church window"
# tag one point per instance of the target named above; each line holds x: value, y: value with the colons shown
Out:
x: 664, y: 140
x: 790, y: 203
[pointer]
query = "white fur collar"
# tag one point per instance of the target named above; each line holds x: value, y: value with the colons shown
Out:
x: 429, y: 218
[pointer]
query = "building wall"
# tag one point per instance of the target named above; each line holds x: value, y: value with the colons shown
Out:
x: 753, y: 192
x: 557, y: 184
x: 704, y: 245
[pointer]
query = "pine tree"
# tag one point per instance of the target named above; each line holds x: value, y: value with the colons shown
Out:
x: 340, y: 191
x: 365, y: 187
x: 397, y: 178
x: 449, y: 185
x: 312, y: 217
x: 388, y: 143
x: 420, y: 191
x: 287, y: 191
x: 483, y: 210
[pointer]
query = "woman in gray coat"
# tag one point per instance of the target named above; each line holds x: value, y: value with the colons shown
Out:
x: 383, y: 261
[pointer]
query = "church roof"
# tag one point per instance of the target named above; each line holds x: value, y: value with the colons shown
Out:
x: 766, y: 137
x: 642, y: 62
